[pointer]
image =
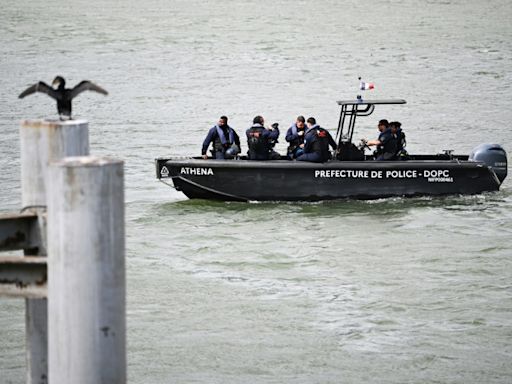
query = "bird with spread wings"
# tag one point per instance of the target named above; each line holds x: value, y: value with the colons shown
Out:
x: 62, y: 94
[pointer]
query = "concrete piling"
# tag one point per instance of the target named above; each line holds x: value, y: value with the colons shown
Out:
x: 86, y: 273
x: 36, y: 340
x: 42, y: 142
x: 72, y: 211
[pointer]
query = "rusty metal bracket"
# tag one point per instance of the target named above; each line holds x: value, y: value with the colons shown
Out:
x: 23, y: 276
x: 19, y: 231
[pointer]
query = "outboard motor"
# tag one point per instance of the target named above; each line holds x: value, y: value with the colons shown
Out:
x: 494, y: 156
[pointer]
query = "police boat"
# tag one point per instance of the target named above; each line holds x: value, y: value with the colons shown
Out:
x: 350, y: 174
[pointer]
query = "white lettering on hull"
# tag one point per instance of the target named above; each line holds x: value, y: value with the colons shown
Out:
x: 432, y: 175
x: 196, y: 171
x: 440, y: 179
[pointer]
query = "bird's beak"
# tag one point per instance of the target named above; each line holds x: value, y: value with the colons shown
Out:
x: 55, y: 82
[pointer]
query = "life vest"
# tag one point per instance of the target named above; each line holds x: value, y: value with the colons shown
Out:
x: 401, y: 152
x: 258, y: 144
x: 221, y: 142
x: 400, y: 135
x: 298, y: 141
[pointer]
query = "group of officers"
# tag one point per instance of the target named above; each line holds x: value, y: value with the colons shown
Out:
x: 307, y: 141
x: 390, y: 143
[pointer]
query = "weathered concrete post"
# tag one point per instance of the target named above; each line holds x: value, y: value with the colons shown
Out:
x: 86, y: 272
x: 41, y: 143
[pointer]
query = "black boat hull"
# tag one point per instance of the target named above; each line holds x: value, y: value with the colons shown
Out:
x: 282, y: 180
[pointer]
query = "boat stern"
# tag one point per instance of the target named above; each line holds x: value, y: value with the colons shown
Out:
x: 494, y: 156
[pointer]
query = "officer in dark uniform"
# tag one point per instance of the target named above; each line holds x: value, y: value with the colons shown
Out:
x: 316, y: 143
x: 398, y: 133
x: 295, y: 136
x: 386, y: 142
x: 226, y: 143
x: 260, y: 139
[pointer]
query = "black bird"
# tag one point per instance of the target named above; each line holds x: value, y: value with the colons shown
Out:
x: 62, y: 94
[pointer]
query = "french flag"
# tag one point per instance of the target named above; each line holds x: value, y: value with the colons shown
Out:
x: 365, y: 86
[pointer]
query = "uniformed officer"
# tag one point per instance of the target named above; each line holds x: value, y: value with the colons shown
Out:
x: 295, y: 136
x: 398, y: 133
x: 260, y: 139
x: 226, y: 143
x: 386, y: 143
x: 316, y: 143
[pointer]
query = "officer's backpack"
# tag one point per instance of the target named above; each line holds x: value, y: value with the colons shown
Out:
x: 257, y: 143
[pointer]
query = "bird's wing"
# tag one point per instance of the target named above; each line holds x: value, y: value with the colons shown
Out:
x: 86, y: 86
x: 39, y: 87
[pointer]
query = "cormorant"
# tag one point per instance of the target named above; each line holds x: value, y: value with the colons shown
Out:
x: 61, y: 94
